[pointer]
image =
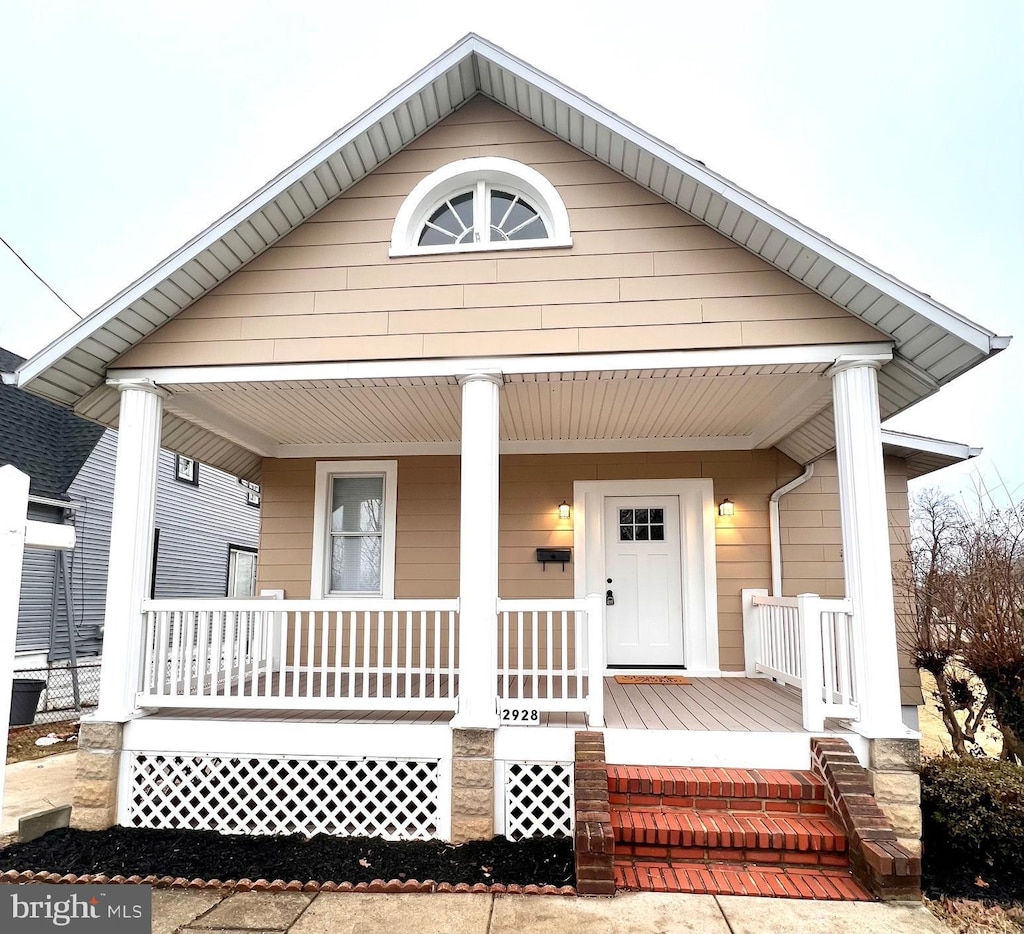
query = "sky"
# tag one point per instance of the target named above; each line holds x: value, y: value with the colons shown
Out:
x: 894, y: 128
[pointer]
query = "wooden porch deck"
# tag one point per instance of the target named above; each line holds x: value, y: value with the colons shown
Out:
x: 719, y: 704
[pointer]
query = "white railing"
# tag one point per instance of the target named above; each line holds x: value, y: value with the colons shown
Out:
x: 551, y: 655
x: 806, y: 642
x: 300, y: 654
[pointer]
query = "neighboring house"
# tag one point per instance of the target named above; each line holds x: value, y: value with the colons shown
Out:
x: 535, y: 403
x: 206, y: 521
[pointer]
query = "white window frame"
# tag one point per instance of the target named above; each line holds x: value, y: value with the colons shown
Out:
x: 479, y: 174
x: 233, y: 551
x: 326, y: 471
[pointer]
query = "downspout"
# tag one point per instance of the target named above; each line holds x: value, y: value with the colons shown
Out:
x: 773, y: 526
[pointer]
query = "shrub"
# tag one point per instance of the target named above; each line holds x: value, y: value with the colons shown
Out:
x: 973, y: 830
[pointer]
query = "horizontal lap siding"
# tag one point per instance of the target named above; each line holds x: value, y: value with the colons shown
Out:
x: 641, y: 275
x: 532, y: 486
x: 812, y: 546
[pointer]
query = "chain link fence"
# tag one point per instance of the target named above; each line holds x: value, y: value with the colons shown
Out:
x: 68, y: 691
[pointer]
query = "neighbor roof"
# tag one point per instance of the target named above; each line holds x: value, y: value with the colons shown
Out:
x: 41, y: 439
x: 933, y: 344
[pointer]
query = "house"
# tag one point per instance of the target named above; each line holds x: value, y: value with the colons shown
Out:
x: 540, y: 408
x: 206, y: 532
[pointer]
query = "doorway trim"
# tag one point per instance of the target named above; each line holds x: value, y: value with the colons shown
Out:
x: 696, y: 555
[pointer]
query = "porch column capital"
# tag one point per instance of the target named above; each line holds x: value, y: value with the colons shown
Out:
x: 139, y: 385
x: 856, y: 361
x: 867, y: 563
x: 131, y: 545
x: 488, y: 376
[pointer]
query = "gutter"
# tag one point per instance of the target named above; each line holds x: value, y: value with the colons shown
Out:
x: 773, y: 526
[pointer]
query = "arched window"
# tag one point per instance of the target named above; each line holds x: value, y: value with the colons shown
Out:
x: 486, y: 203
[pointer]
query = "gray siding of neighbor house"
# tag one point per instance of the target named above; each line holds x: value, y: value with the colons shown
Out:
x: 197, y: 524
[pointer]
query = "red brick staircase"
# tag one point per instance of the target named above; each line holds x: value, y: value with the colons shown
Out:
x: 727, y: 832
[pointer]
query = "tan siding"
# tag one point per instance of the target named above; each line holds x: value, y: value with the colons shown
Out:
x: 531, y: 488
x: 641, y: 275
x: 812, y: 545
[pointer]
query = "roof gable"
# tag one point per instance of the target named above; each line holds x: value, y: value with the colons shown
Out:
x: 933, y: 344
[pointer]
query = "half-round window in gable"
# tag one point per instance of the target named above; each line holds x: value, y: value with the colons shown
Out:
x: 480, y: 204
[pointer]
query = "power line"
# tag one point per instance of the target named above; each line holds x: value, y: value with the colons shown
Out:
x: 40, y: 278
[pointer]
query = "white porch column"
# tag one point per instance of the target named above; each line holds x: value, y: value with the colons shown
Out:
x: 478, y: 552
x: 131, y: 546
x: 865, y: 527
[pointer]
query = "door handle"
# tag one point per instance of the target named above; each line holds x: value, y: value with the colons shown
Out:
x: 609, y: 598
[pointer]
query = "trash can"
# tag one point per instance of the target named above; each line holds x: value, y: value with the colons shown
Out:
x: 24, y: 700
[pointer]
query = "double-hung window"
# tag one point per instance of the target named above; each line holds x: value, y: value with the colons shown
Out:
x: 354, y: 534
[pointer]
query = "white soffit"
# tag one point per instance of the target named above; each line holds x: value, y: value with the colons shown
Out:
x: 932, y: 341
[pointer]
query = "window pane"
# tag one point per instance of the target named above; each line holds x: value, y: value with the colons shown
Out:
x: 512, y: 218
x: 357, y: 504
x: 657, y: 533
x: 641, y: 533
x: 451, y: 223
x: 626, y: 515
x: 355, y: 563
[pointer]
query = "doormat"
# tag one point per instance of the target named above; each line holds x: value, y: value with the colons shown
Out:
x: 652, y: 679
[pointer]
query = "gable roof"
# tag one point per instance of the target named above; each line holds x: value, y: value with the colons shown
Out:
x: 933, y: 344
x: 41, y: 439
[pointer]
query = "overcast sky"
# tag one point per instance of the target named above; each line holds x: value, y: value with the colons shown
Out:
x: 894, y: 128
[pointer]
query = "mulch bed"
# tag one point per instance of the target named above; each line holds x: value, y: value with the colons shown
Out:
x: 184, y: 856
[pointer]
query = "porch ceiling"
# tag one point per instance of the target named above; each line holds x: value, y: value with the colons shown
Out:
x: 722, y: 407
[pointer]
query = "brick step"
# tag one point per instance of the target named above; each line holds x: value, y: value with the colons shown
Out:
x: 659, y: 832
x: 716, y: 878
x: 653, y: 785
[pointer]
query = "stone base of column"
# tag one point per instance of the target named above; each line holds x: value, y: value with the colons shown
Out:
x: 97, y: 766
x: 895, y: 779
x: 472, y: 785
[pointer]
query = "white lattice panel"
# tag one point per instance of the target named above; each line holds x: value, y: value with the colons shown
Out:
x: 538, y: 799
x: 393, y: 800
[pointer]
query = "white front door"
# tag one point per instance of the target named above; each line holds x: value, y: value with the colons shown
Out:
x: 643, y: 611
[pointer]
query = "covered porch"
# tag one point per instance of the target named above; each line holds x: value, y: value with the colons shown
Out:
x: 483, y: 654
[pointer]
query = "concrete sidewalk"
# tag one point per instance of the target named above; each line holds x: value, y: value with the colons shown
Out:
x: 299, y: 913
x: 36, y: 785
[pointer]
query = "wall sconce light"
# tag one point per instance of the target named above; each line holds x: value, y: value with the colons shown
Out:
x: 563, y: 510
x: 726, y: 507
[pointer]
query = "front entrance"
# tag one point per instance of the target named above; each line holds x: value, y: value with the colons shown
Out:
x: 643, y: 593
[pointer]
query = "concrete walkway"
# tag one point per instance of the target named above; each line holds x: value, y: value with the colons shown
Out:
x: 36, y: 785
x: 45, y: 783
x: 299, y: 913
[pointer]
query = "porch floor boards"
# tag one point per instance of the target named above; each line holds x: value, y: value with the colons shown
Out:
x: 726, y: 704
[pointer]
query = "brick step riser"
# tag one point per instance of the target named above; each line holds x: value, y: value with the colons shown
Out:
x: 737, y: 805
x: 732, y: 855
x: 709, y: 784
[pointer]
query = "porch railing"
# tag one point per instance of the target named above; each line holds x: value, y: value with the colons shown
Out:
x: 551, y: 655
x: 300, y: 654
x: 807, y: 642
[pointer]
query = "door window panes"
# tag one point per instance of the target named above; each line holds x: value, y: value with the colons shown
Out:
x: 641, y: 525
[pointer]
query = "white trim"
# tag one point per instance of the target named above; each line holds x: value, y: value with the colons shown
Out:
x: 479, y: 174
x: 547, y: 363
x: 951, y: 449
x: 697, y: 546
x: 718, y: 749
x: 325, y: 471
x: 287, y: 737
x: 46, y: 501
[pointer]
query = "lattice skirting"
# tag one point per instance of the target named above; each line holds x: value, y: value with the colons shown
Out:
x: 538, y: 799
x: 390, y: 799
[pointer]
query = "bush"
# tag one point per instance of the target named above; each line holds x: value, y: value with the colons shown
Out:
x: 973, y: 830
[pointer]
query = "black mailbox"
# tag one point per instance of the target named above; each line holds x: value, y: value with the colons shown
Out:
x: 560, y: 556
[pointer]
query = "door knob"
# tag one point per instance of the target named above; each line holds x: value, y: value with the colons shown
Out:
x: 609, y: 598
